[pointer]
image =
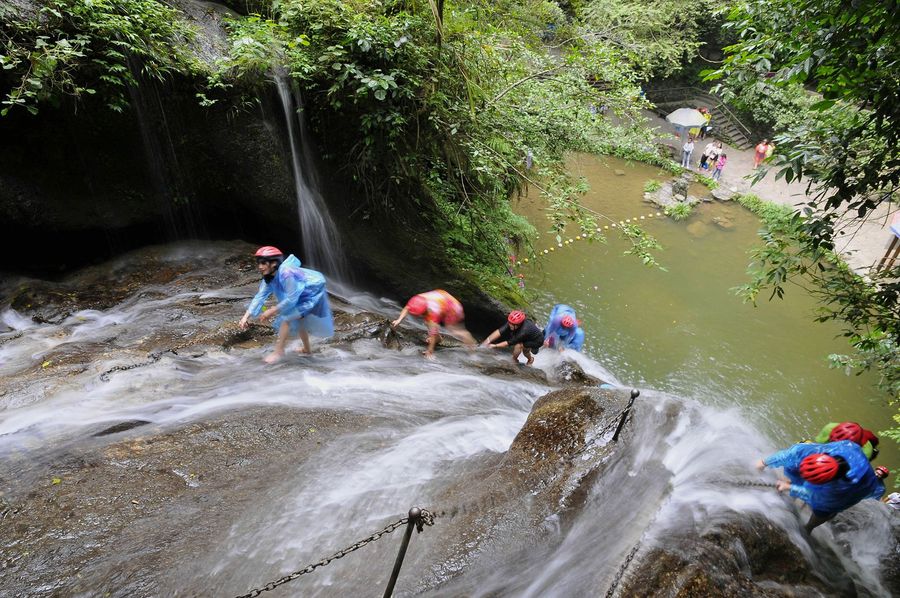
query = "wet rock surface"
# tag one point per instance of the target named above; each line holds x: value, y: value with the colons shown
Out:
x: 113, y: 517
x: 503, y: 506
x: 130, y: 501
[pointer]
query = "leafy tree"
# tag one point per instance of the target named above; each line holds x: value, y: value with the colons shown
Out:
x: 442, y: 130
x: 656, y: 38
x: 73, y: 48
x: 844, y: 146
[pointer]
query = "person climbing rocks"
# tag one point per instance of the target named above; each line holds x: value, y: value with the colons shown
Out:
x: 830, y: 477
x: 437, y: 307
x: 850, y: 431
x: 520, y: 333
x: 563, y: 331
x: 302, y: 307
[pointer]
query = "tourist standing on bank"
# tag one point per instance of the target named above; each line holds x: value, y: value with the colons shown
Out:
x: 686, y: 150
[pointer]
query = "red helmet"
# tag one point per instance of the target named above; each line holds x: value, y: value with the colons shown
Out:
x: 819, y: 468
x: 847, y: 431
x: 868, y: 436
x: 567, y: 322
x: 516, y: 317
x: 417, y: 306
x: 268, y: 251
x: 882, y: 472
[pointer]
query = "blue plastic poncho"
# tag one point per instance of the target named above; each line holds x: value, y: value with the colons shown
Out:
x: 302, y: 299
x: 559, y: 336
x: 859, y: 483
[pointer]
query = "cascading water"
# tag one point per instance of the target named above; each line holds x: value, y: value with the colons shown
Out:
x: 171, y: 188
x: 409, y: 430
x: 321, y: 241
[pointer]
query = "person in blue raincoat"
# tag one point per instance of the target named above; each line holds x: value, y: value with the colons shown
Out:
x: 302, y: 307
x: 563, y: 331
x: 828, y: 477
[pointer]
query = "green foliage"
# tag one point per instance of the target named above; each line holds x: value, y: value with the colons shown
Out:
x: 642, y: 245
x: 866, y: 307
x: 73, y: 48
x: 656, y: 38
x: 652, y: 186
x: 843, y: 141
x: 445, y: 122
x: 679, y: 211
x: 849, y: 154
x: 709, y: 182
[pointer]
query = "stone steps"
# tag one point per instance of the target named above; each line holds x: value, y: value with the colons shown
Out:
x: 724, y: 126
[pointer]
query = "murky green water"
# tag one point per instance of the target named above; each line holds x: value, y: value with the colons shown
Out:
x: 685, y: 331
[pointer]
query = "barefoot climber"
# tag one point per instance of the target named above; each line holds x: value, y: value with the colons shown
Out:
x: 437, y: 307
x: 302, y: 307
x: 520, y: 333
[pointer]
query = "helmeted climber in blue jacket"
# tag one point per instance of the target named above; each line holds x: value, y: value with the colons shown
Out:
x: 563, y: 331
x: 828, y: 477
x: 302, y: 307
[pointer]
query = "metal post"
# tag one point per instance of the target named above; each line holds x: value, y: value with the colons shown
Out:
x: 635, y: 393
x: 414, y: 514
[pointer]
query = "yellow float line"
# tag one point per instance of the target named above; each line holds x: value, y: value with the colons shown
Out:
x: 606, y: 227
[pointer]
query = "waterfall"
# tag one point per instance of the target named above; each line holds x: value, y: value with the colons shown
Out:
x: 388, y: 430
x: 320, y: 238
x: 182, y: 218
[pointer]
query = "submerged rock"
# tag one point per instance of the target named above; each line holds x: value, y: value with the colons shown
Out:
x: 723, y: 194
x: 723, y: 222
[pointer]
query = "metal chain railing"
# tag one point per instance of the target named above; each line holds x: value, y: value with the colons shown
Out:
x: 422, y: 518
x: 618, y: 421
x: 11, y: 337
x: 157, y: 355
x: 747, y: 483
x: 622, y: 569
x: 620, y: 574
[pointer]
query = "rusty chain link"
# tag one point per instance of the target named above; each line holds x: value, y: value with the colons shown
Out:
x: 425, y: 518
x: 621, y: 572
x: 157, y: 355
x: 11, y: 338
x: 768, y: 485
x: 153, y: 358
x: 613, y: 421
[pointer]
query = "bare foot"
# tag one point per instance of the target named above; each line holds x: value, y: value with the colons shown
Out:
x: 303, y: 351
x: 430, y: 356
x: 273, y: 357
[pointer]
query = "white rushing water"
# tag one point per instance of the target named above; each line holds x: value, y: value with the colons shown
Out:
x: 321, y: 241
x: 428, y: 420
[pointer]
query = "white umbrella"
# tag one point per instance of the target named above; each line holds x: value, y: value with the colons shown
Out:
x: 687, y: 117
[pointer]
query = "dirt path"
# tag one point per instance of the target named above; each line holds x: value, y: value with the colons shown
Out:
x: 862, y: 246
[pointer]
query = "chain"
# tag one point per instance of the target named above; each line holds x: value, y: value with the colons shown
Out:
x: 426, y: 518
x: 11, y: 338
x: 621, y: 572
x: 768, y: 485
x: 153, y: 358
x: 606, y: 428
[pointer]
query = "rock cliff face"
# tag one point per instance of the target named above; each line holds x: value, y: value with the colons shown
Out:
x: 80, y: 184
